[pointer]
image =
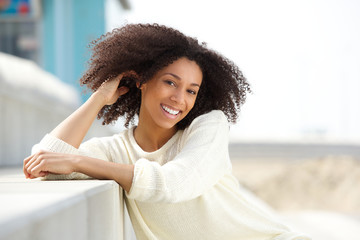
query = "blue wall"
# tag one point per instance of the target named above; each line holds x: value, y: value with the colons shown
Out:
x: 68, y: 28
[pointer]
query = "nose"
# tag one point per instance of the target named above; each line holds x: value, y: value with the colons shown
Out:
x: 178, y: 96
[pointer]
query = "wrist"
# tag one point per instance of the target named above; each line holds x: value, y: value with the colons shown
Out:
x: 76, y: 163
x: 98, y: 99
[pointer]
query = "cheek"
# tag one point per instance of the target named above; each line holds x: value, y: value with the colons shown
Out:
x: 191, y: 103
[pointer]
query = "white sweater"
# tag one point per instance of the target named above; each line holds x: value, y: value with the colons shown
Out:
x: 184, y: 190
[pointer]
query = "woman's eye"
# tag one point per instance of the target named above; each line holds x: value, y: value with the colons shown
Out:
x: 192, y: 92
x: 171, y: 83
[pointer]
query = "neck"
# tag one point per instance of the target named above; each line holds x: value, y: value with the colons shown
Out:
x: 151, y: 137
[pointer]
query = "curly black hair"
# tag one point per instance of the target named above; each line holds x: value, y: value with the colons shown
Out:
x: 146, y: 49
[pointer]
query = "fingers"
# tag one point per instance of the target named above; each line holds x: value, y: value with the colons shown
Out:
x: 34, y: 165
x: 37, y: 168
x: 43, y: 163
x: 117, y: 79
x: 111, y: 83
x: 26, y: 160
x: 43, y: 173
x: 122, y: 90
x: 130, y: 73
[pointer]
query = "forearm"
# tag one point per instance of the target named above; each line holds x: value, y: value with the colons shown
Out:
x: 74, y: 128
x: 99, y: 169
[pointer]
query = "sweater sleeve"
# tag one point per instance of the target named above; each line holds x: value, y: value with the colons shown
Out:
x: 92, y: 148
x: 198, y: 166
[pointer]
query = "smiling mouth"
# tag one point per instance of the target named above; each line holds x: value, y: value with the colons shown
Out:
x: 170, y: 111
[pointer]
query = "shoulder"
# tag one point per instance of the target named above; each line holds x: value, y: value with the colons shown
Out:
x: 209, y: 131
x: 214, y: 116
x: 208, y: 122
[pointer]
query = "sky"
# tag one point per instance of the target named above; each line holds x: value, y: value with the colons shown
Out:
x: 302, y: 59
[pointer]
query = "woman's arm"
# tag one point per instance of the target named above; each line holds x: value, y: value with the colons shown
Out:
x: 71, y: 132
x: 43, y: 163
x: 74, y: 128
x: 121, y: 173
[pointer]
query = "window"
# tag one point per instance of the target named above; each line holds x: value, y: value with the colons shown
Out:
x: 19, y: 25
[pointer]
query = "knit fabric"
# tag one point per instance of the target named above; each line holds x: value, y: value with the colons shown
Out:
x: 185, y: 189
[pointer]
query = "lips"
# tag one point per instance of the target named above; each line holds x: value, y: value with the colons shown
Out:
x: 169, y: 110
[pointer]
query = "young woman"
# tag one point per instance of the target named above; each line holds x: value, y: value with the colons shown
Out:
x: 174, y: 164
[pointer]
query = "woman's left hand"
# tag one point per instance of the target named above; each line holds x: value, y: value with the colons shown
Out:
x: 43, y: 163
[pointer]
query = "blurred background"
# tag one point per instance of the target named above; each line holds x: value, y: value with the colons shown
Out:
x: 297, y: 142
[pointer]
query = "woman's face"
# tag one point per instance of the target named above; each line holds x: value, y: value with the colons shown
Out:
x: 170, y: 95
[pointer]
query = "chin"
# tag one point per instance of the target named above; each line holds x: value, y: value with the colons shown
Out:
x: 168, y: 124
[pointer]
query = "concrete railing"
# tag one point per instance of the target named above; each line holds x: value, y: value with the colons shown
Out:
x: 32, y: 103
x: 83, y: 209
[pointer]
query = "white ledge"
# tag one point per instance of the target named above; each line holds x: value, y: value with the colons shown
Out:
x: 81, y: 209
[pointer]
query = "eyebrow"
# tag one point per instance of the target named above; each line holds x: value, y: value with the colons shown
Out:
x: 179, y: 78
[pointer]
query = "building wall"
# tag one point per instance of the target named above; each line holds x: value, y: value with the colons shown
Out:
x: 68, y: 26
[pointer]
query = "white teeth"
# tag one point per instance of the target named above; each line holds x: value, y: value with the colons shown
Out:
x: 173, y: 112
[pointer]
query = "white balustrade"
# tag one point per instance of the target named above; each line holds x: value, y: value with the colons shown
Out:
x: 32, y: 103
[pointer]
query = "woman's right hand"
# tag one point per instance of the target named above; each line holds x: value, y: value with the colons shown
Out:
x: 109, y: 90
x: 43, y: 163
